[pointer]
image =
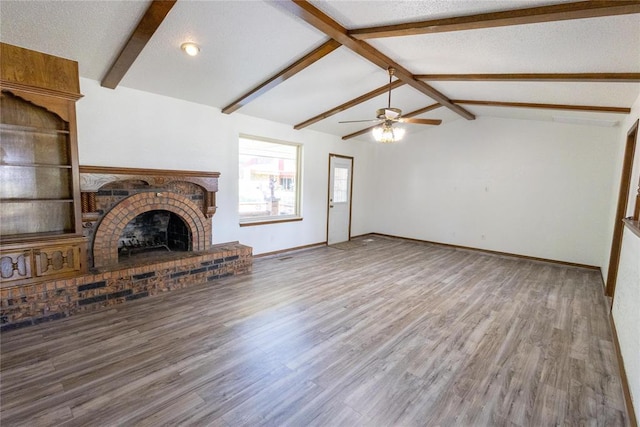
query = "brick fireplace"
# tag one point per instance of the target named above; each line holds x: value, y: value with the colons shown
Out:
x: 110, y: 238
x: 164, y: 216
x: 113, y: 198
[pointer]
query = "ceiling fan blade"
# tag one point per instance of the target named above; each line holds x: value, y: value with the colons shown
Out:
x: 420, y: 121
x: 362, y: 121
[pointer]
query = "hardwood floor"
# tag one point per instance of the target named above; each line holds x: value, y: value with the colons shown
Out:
x: 388, y: 333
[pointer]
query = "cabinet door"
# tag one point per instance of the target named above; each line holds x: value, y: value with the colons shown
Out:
x: 15, y: 265
x: 57, y: 260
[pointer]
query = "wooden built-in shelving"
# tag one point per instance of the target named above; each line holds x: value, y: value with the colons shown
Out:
x: 40, y: 224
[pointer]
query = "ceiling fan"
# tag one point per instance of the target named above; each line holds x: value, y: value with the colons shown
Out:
x: 386, y: 133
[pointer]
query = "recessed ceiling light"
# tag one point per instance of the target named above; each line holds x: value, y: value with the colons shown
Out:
x: 190, y: 48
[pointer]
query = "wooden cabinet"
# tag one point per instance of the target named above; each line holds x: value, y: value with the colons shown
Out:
x: 40, y: 223
x: 30, y: 263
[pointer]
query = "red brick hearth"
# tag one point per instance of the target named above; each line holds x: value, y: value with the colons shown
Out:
x: 42, y: 302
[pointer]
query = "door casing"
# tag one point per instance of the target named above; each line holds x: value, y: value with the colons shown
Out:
x: 329, y: 191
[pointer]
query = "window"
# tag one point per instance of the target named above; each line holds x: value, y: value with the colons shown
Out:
x: 269, y: 188
x: 340, y: 182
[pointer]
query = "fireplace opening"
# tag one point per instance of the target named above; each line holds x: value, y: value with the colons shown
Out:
x: 154, y: 231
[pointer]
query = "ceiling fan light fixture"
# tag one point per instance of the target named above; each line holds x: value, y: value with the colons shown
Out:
x: 190, y: 48
x: 387, y: 134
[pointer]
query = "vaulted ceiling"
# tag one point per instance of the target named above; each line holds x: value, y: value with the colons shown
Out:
x: 307, y: 63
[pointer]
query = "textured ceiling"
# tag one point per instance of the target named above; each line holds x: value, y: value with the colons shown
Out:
x: 245, y: 42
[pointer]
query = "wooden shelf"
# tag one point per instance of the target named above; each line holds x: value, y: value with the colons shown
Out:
x: 21, y: 200
x: 8, y: 239
x: 36, y: 165
x: 33, y: 129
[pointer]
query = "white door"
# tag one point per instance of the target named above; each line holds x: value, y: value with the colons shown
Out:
x: 339, y: 217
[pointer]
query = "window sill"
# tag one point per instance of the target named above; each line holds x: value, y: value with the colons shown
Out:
x: 269, y: 221
x: 633, y: 226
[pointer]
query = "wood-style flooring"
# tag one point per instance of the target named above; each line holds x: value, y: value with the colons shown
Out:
x: 386, y: 333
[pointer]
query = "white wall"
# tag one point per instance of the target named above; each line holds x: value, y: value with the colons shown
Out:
x: 130, y: 128
x: 539, y: 189
x: 626, y: 302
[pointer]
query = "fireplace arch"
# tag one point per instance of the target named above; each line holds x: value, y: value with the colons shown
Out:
x: 106, y: 241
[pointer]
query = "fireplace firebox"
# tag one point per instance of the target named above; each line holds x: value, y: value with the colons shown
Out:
x: 154, y: 231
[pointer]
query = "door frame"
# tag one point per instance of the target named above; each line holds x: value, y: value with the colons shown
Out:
x: 623, y: 195
x: 329, y: 190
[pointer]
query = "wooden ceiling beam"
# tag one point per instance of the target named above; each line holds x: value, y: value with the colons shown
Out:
x: 536, y: 77
x: 411, y: 114
x: 349, y: 104
x: 315, y: 17
x: 148, y: 24
x: 302, y: 63
x: 590, y: 108
x: 533, y: 15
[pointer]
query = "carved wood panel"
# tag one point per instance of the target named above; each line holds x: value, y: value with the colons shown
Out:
x: 15, y: 265
x: 56, y: 260
x: 93, y: 178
